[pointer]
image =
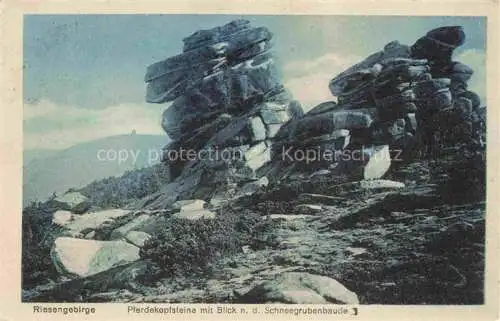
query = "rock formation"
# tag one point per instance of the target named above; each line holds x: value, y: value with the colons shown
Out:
x: 227, y: 99
x: 225, y: 91
x: 399, y: 100
x: 227, y: 105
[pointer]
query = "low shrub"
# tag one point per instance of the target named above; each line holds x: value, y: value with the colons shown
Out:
x: 117, y: 192
x: 193, y: 246
x: 38, y: 235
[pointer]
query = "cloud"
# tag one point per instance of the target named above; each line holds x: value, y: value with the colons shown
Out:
x: 308, y: 79
x: 54, y: 126
x: 476, y: 59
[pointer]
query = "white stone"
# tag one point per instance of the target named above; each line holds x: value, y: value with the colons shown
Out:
x: 381, y: 184
x: 354, y: 251
x: 79, y: 257
x: 308, y: 208
x: 62, y: 218
x: 278, y: 217
x: 189, y: 205
x: 257, y: 155
x: 379, y: 161
x: 321, y: 172
x: 301, y: 288
x: 258, y: 129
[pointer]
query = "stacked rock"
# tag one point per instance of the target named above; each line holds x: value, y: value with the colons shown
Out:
x: 375, y: 113
x: 225, y: 92
x: 462, y: 123
x: 380, y: 103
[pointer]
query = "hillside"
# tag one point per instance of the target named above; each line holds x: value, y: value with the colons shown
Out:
x: 49, y: 171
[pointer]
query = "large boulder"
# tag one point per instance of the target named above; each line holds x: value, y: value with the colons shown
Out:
x: 365, y: 69
x: 81, y: 258
x: 367, y: 162
x: 438, y: 44
x: 300, y: 288
x: 73, y: 202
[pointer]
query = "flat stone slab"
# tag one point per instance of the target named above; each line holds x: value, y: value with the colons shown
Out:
x: 380, y: 184
x: 189, y: 205
x: 93, y: 220
x: 319, y: 198
x: 195, y: 215
x: 300, y: 288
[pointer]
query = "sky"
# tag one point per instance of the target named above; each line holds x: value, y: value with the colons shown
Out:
x: 84, y: 74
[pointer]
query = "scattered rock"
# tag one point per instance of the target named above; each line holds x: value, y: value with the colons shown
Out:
x: 321, y: 172
x: 94, y: 220
x: 251, y: 187
x: 73, y: 202
x: 308, y: 209
x: 136, y: 224
x: 90, y: 235
x: 62, y: 218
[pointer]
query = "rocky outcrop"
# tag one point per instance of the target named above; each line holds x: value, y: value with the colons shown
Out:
x: 401, y: 99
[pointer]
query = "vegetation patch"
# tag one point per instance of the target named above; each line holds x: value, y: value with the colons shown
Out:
x: 192, y: 247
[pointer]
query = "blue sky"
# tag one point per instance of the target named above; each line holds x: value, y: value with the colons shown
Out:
x: 83, y: 74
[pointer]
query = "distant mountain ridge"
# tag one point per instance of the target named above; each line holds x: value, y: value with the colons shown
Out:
x: 49, y: 171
